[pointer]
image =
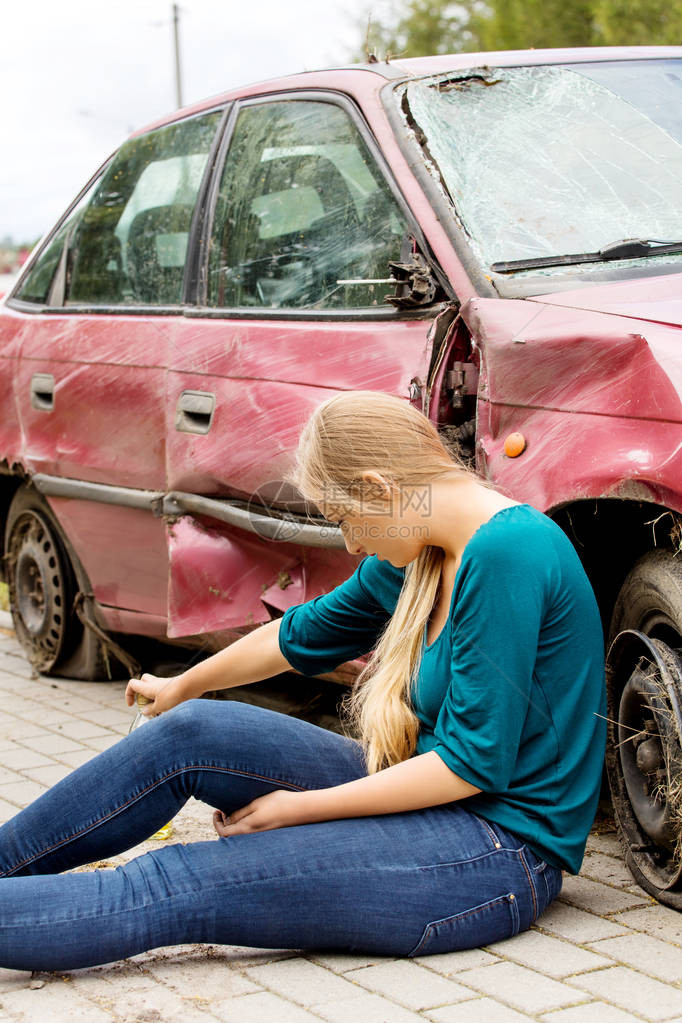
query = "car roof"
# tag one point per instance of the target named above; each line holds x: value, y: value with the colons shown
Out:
x: 418, y: 66
x: 359, y: 79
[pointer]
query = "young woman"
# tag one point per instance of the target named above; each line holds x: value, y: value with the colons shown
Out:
x: 445, y: 824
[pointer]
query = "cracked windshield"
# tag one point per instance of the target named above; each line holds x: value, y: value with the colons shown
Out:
x: 548, y: 161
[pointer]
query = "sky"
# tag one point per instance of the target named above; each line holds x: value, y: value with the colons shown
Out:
x: 77, y: 77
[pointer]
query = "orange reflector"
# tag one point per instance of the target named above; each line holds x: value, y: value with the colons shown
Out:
x: 514, y: 445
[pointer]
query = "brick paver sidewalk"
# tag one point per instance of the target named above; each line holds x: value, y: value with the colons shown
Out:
x: 604, y: 952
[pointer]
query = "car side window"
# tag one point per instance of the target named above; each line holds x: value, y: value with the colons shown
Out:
x: 304, y: 218
x: 45, y: 281
x: 127, y: 244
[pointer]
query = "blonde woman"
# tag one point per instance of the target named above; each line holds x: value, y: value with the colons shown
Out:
x: 444, y: 822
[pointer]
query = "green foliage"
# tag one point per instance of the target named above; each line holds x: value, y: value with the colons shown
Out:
x: 421, y: 27
x: 638, y: 22
x: 522, y: 24
x: 416, y: 28
x: 441, y: 25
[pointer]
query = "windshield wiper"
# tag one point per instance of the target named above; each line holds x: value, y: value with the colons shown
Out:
x: 627, y: 248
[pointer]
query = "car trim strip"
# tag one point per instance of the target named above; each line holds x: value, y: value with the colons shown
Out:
x: 283, y: 526
x: 103, y: 493
x: 208, y: 312
x: 273, y: 526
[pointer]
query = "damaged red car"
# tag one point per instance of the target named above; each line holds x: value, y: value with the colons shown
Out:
x: 496, y: 238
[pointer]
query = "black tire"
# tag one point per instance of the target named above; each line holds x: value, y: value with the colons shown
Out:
x: 650, y: 599
x: 42, y: 586
x: 644, y: 753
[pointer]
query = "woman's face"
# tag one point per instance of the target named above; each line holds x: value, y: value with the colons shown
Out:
x: 389, y: 534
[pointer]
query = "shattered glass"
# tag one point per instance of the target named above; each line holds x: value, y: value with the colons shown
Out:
x: 304, y: 218
x: 543, y: 161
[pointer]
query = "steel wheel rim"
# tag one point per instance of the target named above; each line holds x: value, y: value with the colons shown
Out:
x: 37, y: 589
x: 646, y: 740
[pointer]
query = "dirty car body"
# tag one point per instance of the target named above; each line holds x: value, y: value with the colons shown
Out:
x: 495, y: 238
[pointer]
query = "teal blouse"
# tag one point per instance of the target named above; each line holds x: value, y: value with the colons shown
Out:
x: 510, y: 694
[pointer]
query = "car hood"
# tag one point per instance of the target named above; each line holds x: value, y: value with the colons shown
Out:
x: 654, y: 299
x: 611, y: 351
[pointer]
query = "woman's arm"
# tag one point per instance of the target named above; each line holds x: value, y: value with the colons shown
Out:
x: 250, y: 659
x: 317, y: 636
x: 421, y: 781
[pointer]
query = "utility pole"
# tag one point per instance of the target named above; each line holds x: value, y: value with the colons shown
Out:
x: 176, y: 40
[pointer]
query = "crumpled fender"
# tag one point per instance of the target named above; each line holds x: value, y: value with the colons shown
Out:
x: 221, y: 580
x: 596, y: 396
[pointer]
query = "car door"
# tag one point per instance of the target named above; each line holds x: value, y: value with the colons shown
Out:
x: 303, y: 223
x: 100, y: 311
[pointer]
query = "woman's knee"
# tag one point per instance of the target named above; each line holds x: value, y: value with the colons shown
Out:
x: 183, y: 721
x: 255, y: 741
x: 192, y: 721
x: 196, y: 725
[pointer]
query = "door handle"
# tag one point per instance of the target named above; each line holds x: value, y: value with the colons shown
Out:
x: 42, y: 392
x: 194, y: 412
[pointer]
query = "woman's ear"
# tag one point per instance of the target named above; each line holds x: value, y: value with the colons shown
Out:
x: 378, y: 488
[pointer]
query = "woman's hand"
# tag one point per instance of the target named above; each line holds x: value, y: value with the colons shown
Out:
x: 279, y: 809
x: 423, y: 780
x: 163, y: 692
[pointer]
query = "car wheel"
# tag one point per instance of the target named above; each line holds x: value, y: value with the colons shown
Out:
x: 644, y: 748
x: 42, y: 586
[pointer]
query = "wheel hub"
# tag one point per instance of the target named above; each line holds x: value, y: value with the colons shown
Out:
x: 37, y: 589
x: 649, y: 755
x: 645, y: 741
x: 30, y: 592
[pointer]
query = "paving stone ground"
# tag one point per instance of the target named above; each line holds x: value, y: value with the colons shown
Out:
x: 604, y: 952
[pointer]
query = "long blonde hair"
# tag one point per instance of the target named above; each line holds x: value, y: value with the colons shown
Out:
x: 349, y: 434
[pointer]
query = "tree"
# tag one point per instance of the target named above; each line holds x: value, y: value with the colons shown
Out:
x: 425, y: 27
x: 638, y: 22
x: 525, y: 24
x: 420, y: 27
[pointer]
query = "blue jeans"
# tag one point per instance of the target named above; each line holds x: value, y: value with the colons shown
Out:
x: 400, y: 884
